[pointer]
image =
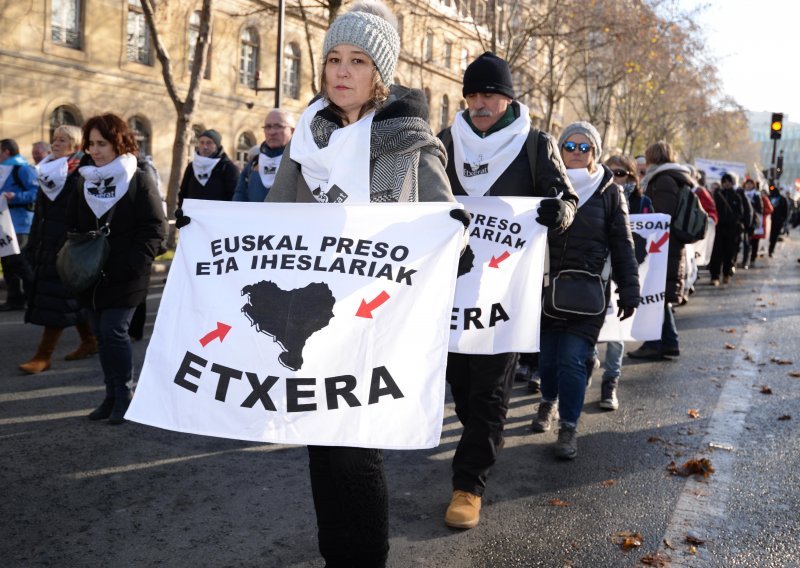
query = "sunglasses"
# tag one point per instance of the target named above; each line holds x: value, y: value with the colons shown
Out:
x: 571, y: 146
x: 620, y: 173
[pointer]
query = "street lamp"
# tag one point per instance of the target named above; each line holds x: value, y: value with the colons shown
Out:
x: 278, y: 88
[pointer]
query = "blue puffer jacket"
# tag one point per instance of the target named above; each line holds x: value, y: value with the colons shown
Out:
x: 21, y: 206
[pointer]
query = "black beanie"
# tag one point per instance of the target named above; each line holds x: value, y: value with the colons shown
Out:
x: 488, y: 74
x: 214, y: 135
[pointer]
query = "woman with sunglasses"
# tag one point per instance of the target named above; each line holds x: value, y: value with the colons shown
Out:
x: 600, y: 230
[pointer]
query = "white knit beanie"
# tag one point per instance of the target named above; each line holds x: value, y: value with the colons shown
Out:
x: 587, y: 130
x: 372, y: 27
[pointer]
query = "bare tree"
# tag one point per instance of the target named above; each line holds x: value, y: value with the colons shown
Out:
x: 184, y: 107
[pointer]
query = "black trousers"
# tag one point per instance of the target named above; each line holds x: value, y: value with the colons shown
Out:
x: 725, y: 247
x: 17, y: 273
x: 352, y: 504
x: 774, y: 233
x: 481, y: 387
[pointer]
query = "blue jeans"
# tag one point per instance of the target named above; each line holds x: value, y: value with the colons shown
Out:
x: 669, y: 333
x: 613, y: 364
x: 562, y: 365
x: 110, y: 327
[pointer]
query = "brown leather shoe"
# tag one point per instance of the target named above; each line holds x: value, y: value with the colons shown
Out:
x: 87, y: 348
x: 464, y: 511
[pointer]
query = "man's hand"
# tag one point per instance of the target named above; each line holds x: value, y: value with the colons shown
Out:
x: 552, y: 213
x: 181, y: 220
x: 625, y: 313
x: 9, y: 195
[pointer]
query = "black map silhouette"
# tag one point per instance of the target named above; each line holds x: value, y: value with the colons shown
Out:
x: 467, y: 262
x: 639, y: 247
x: 290, y: 317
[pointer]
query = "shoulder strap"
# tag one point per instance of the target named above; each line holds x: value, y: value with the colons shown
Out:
x: 446, y: 136
x: 15, y: 173
x: 532, y: 149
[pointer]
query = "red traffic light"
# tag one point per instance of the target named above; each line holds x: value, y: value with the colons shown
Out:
x: 776, y: 126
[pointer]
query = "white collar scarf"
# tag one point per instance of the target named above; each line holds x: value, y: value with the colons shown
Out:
x: 202, y: 166
x: 267, y: 168
x: 103, y: 187
x: 584, y: 183
x: 52, y: 173
x: 4, y: 173
x: 480, y: 161
x: 338, y: 172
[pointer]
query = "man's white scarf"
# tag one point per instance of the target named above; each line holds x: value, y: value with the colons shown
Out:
x: 202, y: 166
x: 340, y: 171
x: 106, y: 185
x: 5, y: 171
x: 480, y: 161
x: 52, y: 173
x: 585, y: 183
x: 267, y: 168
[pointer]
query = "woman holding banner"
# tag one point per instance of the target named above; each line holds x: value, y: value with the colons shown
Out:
x: 577, y: 290
x: 360, y: 126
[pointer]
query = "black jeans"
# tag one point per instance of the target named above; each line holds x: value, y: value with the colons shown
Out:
x: 17, y: 273
x: 352, y: 505
x: 724, y: 251
x: 481, y: 387
x: 774, y: 233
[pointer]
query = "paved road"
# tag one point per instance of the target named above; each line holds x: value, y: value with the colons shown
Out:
x: 77, y: 493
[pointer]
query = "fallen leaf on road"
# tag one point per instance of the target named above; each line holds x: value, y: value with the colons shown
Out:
x: 729, y: 346
x: 780, y: 361
x: 693, y: 413
x: 692, y: 467
x: 628, y: 539
x: 692, y: 550
x: 795, y: 374
x: 748, y: 357
x: 693, y: 538
x: 608, y: 482
x: 765, y: 390
x: 656, y: 559
x: 654, y: 439
x: 729, y: 330
x: 559, y: 503
x: 668, y: 544
x: 785, y: 417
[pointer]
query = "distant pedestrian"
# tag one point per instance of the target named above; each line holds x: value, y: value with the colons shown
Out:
x: 780, y: 213
x: 731, y: 213
x: 258, y: 175
x: 39, y: 151
x: 211, y: 174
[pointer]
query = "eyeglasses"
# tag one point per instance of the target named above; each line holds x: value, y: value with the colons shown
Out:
x: 620, y: 173
x: 275, y: 126
x: 570, y: 147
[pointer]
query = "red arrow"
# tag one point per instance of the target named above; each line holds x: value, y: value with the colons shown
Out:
x: 655, y: 246
x: 495, y: 262
x: 221, y: 331
x: 365, y: 309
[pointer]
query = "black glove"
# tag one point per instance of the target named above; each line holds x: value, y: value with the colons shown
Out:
x: 181, y: 220
x: 461, y: 215
x: 552, y: 213
x: 625, y: 313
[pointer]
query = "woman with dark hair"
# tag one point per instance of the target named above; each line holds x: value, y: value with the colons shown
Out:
x: 116, y: 196
x: 50, y: 304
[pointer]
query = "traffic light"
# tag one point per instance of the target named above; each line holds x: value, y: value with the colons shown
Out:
x: 776, y: 126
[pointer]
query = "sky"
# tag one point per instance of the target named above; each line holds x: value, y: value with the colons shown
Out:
x: 756, y: 44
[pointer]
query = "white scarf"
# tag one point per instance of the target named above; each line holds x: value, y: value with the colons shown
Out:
x: 5, y: 171
x: 52, y: 173
x: 340, y: 171
x: 106, y: 185
x: 584, y: 183
x: 267, y: 168
x: 202, y: 166
x: 480, y: 161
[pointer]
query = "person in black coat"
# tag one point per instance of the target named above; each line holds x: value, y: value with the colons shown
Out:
x: 116, y: 195
x: 211, y: 175
x: 600, y: 231
x: 50, y: 303
x: 780, y: 212
x: 732, y: 220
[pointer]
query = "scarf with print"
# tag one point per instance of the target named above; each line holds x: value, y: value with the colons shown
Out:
x: 52, y: 173
x: 585, y: 183
x: 268, y: 165
x: 202, y: 167
x: 480, y: 161
x: 104, y: 186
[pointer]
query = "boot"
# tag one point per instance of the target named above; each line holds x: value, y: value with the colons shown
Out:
x: 608, y: 394
x: 547, y: 413
x: 104, y: 410
x: 566, y: 447
x: 88, y: 345
x: 41, y: 360
x: 464, y: 510
x: 121, y: 404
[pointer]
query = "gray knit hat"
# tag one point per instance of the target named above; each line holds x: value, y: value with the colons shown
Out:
x: 587, y: 130
x: 372, y: 27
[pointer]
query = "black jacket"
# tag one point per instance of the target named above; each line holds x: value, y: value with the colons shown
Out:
x: 220, y: 186
x: 730, y: 210
x: 601, y: 227
x: 137, y: 232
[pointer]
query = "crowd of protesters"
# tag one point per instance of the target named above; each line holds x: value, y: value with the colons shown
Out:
x: 94, y: 179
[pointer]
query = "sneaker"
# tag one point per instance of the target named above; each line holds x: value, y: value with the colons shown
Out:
x: 608, y: 394
x: 646, y: 353
x: 715, y: 281
x: 535, y: 382
x: 670, y: 352
x: 566, y: 447
x: 592, y: 364
x: 103, y: 411
x: 547, y: 413
x: 522, y: 374
x: 464, y: 510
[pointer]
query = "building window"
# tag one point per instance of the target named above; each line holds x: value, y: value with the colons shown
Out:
x: 65, y: 25
x: 462, y: 105
x: 194, y: 33
x: 448, y: 54
x: 291, y: 70
x: 248, y: 57
x: 464, y: 58
x: 243, y: 145
x: 64, y: 115
x: 444, y: 113
x: 138, y: 34
x: 428, y: 49
x: 141, y: 132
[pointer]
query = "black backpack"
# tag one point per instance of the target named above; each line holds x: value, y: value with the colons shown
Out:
x: 690, y: 221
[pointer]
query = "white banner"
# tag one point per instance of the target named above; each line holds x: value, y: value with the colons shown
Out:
x: 8, y: 237
x: 651, y: 239
x: 715, y: 168
x: 305, y: 324
x: 499, y: 289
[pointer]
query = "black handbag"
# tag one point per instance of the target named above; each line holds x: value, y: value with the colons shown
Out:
x: 81, y: 259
